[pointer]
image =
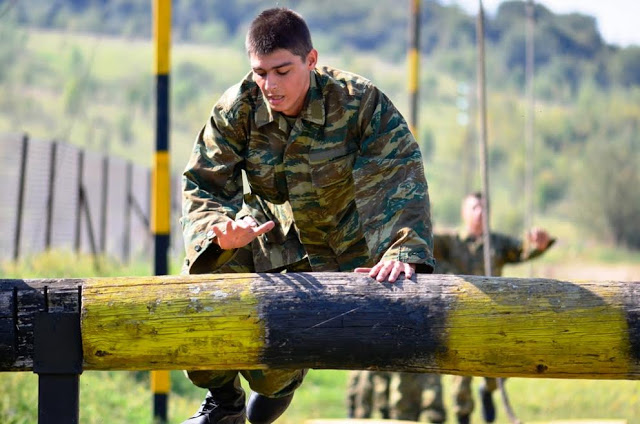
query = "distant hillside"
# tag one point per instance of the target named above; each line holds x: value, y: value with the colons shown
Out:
x: 568, y: 47
x: 81, y: 72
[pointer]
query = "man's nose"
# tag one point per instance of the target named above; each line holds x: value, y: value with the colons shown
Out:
x: 270, y: 83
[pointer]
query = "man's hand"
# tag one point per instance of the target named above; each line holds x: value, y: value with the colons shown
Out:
x: 388, y: 270
x: 538, y: 238
x: 235, y: 234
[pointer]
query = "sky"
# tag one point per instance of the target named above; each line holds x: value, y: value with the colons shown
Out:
x: 617, y: 20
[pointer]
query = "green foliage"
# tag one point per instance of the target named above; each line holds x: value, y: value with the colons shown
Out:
x: 625, y: 67
x: 573, y: 36
x: 608, y: 200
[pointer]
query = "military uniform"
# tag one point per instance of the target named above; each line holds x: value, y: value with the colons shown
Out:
x: 343, y: 182
x: 395, y: 395
x: 463, y: 254
x: 366, y: 390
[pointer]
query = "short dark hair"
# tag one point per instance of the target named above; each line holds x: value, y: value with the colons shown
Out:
x: 278, y: 28
x: 475, y: 194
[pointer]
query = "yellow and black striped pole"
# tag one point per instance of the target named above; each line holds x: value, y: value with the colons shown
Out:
x: 161, y: 200
x: 414, y: 65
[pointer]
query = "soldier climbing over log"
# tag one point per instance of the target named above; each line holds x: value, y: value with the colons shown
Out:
x: 335, y: 183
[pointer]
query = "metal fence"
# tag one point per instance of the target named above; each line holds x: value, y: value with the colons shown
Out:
x: 56, y: 196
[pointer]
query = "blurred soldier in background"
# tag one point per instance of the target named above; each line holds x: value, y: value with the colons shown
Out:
x: 462, y: 253
x: 411, y: 395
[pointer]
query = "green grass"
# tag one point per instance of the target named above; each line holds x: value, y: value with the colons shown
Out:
x: 125, y: 397
x: 67, y: 264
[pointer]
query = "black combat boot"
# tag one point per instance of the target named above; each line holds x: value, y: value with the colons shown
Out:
x: 265, y: 410
x: 222, y: 405
x: 488, y: 408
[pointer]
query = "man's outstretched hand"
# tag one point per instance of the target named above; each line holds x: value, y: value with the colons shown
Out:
x: 538, y: 238
x: 388, y: 270
x: 236, y: 234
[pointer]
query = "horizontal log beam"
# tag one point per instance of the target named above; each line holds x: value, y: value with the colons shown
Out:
x: 466, y: 325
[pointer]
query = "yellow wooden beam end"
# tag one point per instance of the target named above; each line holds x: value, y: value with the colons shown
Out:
x: 160, y: 382
x: 162, y: 36
x: 494, y: 329
x: 131, y: 323
x: 160, y: 192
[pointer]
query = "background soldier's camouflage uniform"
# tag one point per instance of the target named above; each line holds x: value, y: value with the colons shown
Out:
x: 343, y: 182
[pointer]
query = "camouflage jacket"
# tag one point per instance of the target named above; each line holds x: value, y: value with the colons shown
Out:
x: 463, y: 254
x: 345, y: 184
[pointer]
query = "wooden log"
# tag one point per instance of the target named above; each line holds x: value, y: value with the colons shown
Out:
x: 447, y: 324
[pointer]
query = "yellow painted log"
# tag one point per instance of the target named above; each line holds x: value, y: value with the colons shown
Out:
x: 447, y: 324
x: 467, y: 325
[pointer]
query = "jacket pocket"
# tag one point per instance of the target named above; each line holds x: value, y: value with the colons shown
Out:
x: 337, y: 169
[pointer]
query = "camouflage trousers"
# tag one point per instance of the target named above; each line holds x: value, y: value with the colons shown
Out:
x: 396, y: 395
x: 271, y: 382
x: 463, y: 394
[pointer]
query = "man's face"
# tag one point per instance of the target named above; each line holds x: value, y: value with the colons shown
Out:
x: 472, y: 214
x: 283, y: 79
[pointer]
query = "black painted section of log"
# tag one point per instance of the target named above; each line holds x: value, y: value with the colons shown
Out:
x: 7, y: 328
x: 376, y: 329
x: 25, y: 299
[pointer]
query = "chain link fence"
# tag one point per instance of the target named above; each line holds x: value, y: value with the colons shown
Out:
x: 56, y: 196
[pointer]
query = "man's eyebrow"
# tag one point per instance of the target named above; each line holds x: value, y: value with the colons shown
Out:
x: 282, y: 65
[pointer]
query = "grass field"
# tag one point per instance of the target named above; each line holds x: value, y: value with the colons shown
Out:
x: 124, y: 397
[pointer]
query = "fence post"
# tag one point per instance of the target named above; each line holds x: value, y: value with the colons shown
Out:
x: 104, y: 199
x: 84, y: 202
x: 23, y: 174
x: 126, y: 247
x: 58, y: 363
x: 78, y: 226
x: 50, y: 198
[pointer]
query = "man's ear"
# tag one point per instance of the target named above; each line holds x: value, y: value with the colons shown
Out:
x: 312, y: 59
